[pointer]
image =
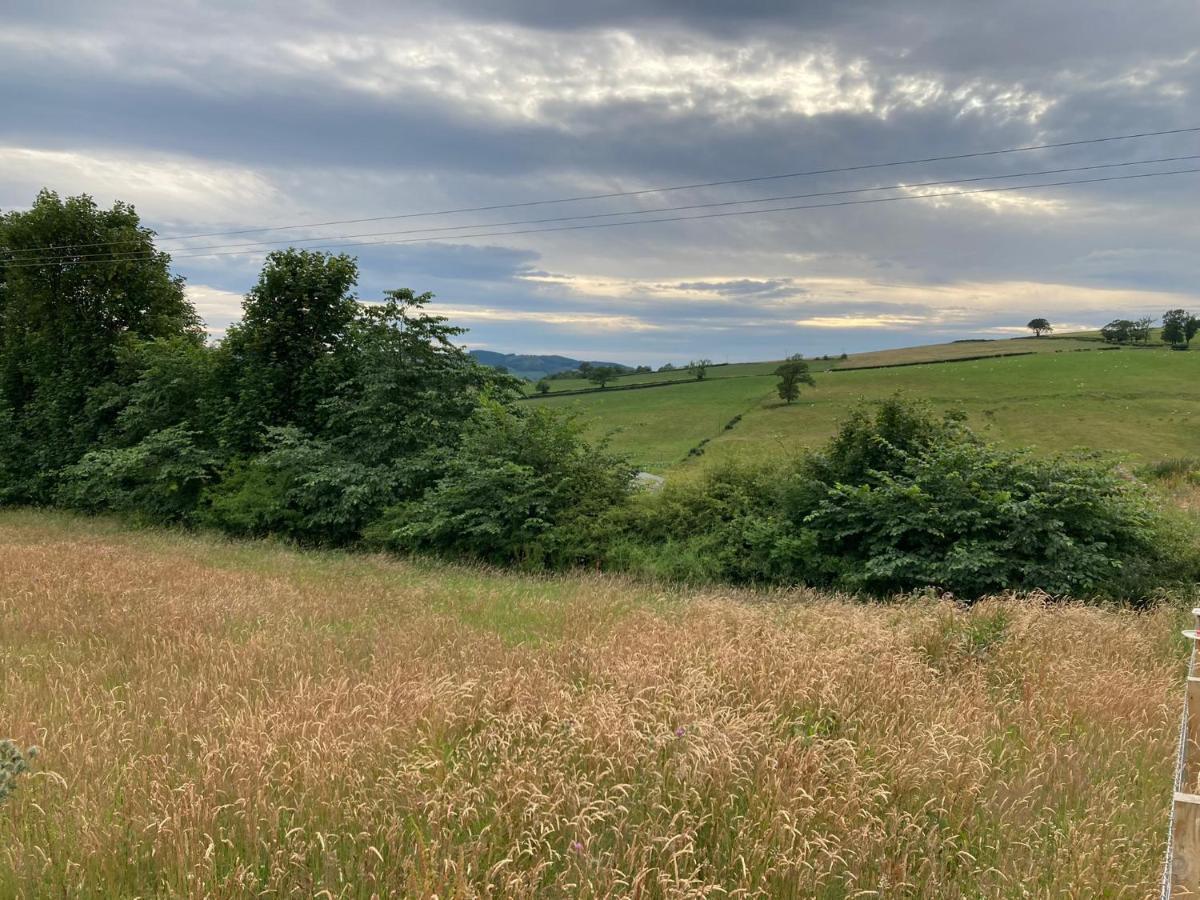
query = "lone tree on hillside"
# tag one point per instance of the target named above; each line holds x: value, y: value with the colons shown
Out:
x: 792, y: 374
x: 1039, y: 327
x: 601, y: 375
x: 699, y: 368
x: 543, y: 386
x: 1179, y: 327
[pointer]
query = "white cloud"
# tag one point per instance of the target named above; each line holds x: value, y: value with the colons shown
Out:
x: 165, y: 188
x: 219, y: 309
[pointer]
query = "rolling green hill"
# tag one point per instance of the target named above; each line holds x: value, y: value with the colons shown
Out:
x: 1135, y: 401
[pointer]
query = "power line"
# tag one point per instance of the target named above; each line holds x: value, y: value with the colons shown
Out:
x: 712, y: 215
x: 196, y: 251
x: 659, y: 190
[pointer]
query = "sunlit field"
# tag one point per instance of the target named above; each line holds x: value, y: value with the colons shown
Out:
x: 231, y: 720
x: 1135, y: 402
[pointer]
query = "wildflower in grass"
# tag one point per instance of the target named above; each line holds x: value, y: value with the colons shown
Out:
x: 576, y: 847
x: 680, y: 731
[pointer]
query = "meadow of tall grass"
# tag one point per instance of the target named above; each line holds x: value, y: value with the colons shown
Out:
x: 228, y: 720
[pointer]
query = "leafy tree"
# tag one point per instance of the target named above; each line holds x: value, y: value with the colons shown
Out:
x: 301, y: 488
x: 601, y: 375
x: 792, y: 374
x: 1039, y: 326
x: 282, y: 360
x: 543, y: 386
x: 406, y: 391
x: 522, y: 485
x: 699, y: 368
x: 666, y: 367
x: 405, y: 386
x: 160, y: 478
x: 76, y: 282
x: 1118, y: 331
x: 1140, y: 331
x: 1179, y: 327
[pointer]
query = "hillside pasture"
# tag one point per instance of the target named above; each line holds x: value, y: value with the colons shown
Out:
x: 1134, y: 402
x: 657, y: 427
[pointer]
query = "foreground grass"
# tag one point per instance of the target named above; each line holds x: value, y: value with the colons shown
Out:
x: 221, y: 719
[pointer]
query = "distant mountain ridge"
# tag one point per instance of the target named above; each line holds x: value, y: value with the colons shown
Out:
x: 534, y: 367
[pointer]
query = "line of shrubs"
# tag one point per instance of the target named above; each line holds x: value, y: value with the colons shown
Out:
x: 326, y: 421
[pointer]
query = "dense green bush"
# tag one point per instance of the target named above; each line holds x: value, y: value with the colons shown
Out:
x: 299, y: 488
x: 901, y: 500
x: 521, y: 485
x: 160, y: 478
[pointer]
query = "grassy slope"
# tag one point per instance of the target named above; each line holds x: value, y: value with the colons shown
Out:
x: 1136, y: 402
x: 732, y: 370
x: 658, y: 426
x: 1133, y: 401
x: 958, y: 350
x: 231, y: 720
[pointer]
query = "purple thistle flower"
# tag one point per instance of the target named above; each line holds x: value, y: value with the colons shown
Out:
x: 680, y: 731
x: 576, y: 846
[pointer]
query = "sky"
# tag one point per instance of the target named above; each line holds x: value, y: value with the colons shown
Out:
x: 216, y: 117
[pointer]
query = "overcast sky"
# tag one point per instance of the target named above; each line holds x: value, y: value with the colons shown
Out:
x: 214, y: 116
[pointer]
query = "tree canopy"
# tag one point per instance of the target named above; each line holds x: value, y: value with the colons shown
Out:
x: 1039, y: 326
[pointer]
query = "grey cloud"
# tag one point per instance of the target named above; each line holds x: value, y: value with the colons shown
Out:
x: 226, y: 82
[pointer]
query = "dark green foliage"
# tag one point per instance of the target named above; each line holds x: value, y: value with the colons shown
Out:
x: 1119, y: 331
x: 1179, y: 327
x: 521, y: 486
x: 284, y: 358
x: 972, y: 519
x: 300, y: 488
x: 62, y: 324
x: 902, y: 500
x: 1039, y: 327
x: 792, y: 374
x: 159, y: 478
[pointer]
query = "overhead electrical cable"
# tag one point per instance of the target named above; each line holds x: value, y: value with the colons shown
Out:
x: 711, y: 215
x: 657, y: 190
x: 250, y: 245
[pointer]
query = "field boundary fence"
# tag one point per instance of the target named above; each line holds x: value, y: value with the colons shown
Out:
x: 1181, y: 869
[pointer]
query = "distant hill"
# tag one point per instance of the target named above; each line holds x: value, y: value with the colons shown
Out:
x: 534, y: 367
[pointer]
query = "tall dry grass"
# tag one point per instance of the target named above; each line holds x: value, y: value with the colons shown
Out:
x: 230, y: 722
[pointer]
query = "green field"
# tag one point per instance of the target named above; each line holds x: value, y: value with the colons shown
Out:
x: 1134, y: 401
x: 965, y: 349
x: 657, y: 427
x: 727, y: 370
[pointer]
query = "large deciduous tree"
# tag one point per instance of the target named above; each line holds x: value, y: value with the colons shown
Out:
x: 1039, y: 326
x: 77, y: 282
x: 1179, y: 327
x: 283, y: 359
x: 792, y: 374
